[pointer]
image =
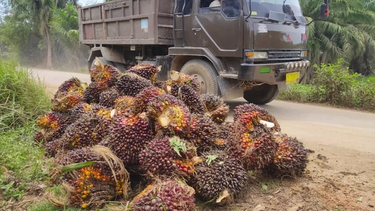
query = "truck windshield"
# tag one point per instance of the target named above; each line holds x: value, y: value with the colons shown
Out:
x: 262, y: 8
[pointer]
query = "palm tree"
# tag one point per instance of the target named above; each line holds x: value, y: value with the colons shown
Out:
x: 64, y: 28
x: 345, y: 34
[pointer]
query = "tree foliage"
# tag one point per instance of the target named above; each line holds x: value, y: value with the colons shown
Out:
x: 348, y: 33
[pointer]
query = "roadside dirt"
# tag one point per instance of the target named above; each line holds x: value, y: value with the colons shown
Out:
x: 340, y: 175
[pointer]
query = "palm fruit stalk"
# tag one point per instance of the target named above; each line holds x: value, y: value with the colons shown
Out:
x: 104, y: 74
x: 93, y: 92
x: 131, y: 84
x: 189, y: 96
x: 90, y: 187
x: 128, y: 136
x: 125, y: 105
x: 167, y: 194
x: 290, y: 158
x: 167, y: 156
x: 181, y: 78
x: 107, y: 98
x: 147, y: 71
x: 65, y: 101
x: 73, y: 85
x: 218, y: 177
x: 215, y: 107
x: 203, y: 132
x: 263, y: 114
x: 52, y: 126
x: 251, y: 142
x: 170, y: 114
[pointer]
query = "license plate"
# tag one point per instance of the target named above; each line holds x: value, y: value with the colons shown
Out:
x: 292, y: 78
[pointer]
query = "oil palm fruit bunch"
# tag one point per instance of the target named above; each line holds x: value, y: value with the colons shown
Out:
x: 65, y: 101
x: 203, y: 132
x: 181, y: 78
x: 93, y: 92
x: 263, y: 114
x: 81, y: 133
x: 107, y: 98
x: 167, y: 156
x: 52, y: 126
x: 167, y: 194
x: 79, y: 110
x: 131, y: 84
x: 128, y: 136
x: 215, y: 107
x: 93, y: 185
x: 147, y: 71
x: 144, y: 97
x: 290, y: 158
x: 218, y: 176
x: 73, y: 85
x: 53, y: 147
x: 189, y: 96
x: 104, y: 74
x: 170, y: 114
x: 251, y: 142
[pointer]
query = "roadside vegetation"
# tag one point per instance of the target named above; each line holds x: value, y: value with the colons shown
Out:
x: 22, y: 162
x: 334, y: 84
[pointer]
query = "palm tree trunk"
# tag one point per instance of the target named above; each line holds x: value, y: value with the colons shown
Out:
x: 49, y: 50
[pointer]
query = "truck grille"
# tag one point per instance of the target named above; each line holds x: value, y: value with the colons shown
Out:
x: 283, y: 54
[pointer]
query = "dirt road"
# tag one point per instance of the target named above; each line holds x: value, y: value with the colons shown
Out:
x: 341, y: 173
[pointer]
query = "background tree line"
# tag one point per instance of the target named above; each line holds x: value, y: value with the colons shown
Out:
x: 46, y: 32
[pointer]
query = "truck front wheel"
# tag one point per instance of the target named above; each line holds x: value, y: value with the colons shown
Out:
x: 261, y: 94
x: 204, y: 73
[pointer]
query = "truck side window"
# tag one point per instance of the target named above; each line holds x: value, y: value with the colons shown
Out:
x: 231, y: 8
x: 204, y: 7
x: 188, y: 6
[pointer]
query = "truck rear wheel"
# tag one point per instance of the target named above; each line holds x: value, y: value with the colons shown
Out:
x: 205, y: 74
x: 262, y: 94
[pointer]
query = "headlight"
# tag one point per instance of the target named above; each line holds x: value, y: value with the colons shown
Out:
x: 257, y: 55
x: 303, y: 53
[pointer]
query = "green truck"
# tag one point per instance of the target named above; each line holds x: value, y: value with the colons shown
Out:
x: 236, y: 48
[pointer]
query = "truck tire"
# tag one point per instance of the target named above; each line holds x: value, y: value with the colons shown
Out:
x: 205, y: 73
x: 262, y: 94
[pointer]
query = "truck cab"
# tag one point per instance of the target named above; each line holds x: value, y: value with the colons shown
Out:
x: 234, y: 48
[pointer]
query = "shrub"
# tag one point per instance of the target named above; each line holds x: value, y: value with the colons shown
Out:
x: 333, y: 84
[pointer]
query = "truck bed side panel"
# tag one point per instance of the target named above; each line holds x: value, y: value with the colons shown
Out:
x: 128, y: 22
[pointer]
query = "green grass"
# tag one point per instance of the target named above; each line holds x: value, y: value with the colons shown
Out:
x: 22, y: 96
x: 22, y: 162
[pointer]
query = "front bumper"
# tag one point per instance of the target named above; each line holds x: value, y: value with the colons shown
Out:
x: 276, y: 75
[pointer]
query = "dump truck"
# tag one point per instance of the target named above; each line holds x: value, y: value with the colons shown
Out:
x: 237, y: 48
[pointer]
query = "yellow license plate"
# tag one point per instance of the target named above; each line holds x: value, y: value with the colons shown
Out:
x: 292, y: 78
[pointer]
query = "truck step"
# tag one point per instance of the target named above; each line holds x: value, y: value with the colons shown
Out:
x: 232, y: 76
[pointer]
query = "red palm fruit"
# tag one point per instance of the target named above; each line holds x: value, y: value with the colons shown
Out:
x: 147, y: 71
x: 167, y: 194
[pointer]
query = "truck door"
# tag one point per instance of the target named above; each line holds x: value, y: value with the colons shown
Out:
x: 220, y: 29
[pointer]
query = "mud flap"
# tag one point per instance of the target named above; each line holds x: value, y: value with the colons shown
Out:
x: 229, y: 88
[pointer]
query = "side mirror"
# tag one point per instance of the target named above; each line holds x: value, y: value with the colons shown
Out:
x: 324, y: 11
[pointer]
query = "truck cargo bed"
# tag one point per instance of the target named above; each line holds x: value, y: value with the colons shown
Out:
x: 127, y: 22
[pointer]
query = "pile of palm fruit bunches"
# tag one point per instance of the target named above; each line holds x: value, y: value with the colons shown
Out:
x: 158, y: 145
